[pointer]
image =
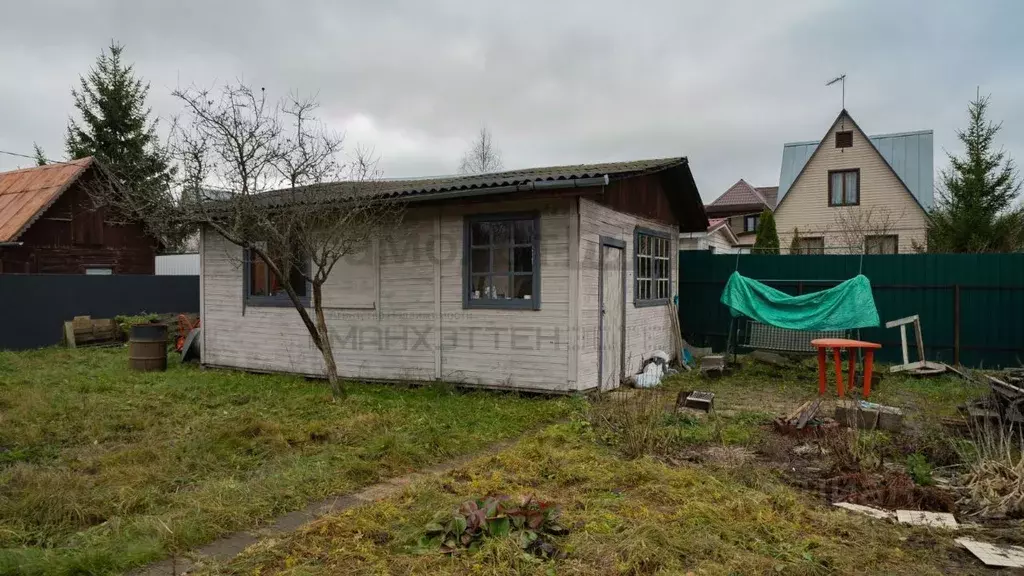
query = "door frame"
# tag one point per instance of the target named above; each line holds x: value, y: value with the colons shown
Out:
x: 621, y: 245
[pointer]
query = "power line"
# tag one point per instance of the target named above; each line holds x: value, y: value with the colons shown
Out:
x: 34, y: 157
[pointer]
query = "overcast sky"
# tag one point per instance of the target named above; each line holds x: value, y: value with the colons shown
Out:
x: 725, y: 83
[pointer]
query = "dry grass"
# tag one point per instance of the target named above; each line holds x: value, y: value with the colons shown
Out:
x: 102, y: 469
x: 994, y: 481
x: 626, y: 516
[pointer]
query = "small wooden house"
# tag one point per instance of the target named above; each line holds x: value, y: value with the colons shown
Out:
x: 549, y: 279
x: 50, y: 224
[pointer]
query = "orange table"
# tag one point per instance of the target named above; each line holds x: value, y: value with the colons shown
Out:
x: 835, y: 344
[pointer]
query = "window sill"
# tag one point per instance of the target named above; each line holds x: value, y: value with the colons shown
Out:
x: 501, y: 304
x: 273, y: 302
x: 649, y: 303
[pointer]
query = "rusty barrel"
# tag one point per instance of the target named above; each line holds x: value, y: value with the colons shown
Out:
x: 147, y: 347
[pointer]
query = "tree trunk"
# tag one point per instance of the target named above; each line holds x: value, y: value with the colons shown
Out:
x: 330, y: 367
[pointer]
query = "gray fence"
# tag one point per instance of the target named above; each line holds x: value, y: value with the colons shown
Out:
x: 35, y: 306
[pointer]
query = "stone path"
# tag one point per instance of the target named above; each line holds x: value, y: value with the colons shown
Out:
x: 231, y: 545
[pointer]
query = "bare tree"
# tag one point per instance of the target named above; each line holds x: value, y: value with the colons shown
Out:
x: 852, y: 225
x: 483, y: 156
x: 268, y: 178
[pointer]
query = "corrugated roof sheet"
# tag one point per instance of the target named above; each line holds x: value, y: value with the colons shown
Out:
x: 437, y: 184
x: 685, y: 198
x: 25, y: 194
x: 910, y: 154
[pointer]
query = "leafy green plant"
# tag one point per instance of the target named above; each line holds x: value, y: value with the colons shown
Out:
x: 495, y: 517
x: 919, y: 469
x: 125, y: 322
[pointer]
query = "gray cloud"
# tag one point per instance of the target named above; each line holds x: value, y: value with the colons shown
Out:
x: 725, y: 83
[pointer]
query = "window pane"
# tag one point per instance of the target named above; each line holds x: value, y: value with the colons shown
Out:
x: 481, y: 233
x: 523, y: 231
x: 522, y: 259
x: 644, y: 265
x: 481, y: 261
x: 837, y: 187
x: 663, y: 289
x: 524, y: 287
x: 501, y: 263
x: 501, y: 232
x: 257, y: 277
x: 478, y: 287
x: 500, y: 287
x: 297, y: 281
x: 851, y: 187
x: 644, y: 247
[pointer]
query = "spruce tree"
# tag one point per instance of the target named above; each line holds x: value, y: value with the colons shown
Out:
x: 974, y: 211
x: 767, y: 241
x: 794, y: 244
x: 115, y: 125
x: 37, y: 151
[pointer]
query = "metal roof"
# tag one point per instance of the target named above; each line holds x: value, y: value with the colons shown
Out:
x: 25, y: 194
x: 910, y: 154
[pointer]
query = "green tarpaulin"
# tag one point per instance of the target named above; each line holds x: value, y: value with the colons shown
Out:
x: 847, y: 306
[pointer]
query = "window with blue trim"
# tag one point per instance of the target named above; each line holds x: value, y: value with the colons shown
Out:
x: 501, y: 261
x: 652, y: 267
x: 264, y: 288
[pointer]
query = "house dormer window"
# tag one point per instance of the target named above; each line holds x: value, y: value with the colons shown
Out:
x: 844, y: 187
x: 750, y: 222
x: 844, y: 139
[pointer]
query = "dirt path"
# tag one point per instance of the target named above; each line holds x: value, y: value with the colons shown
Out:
x: 231, y: 545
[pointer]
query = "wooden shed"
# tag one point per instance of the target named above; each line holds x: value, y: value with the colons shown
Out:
x: 50, y: 224
x: 550, y: 279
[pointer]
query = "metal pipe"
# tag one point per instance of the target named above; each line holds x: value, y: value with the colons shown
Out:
x: 525, y: 187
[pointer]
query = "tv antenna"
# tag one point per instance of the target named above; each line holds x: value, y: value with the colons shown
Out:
x: 842, y: 79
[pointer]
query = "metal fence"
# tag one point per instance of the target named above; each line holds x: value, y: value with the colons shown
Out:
x: 34, y: 307
x: 971, y: 305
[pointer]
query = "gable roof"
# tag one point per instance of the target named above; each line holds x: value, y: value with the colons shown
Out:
x: 686, y: 206
x: 742, y: 195
x: 715, y: 224
x: 25, y: 194
x: 908, y: 154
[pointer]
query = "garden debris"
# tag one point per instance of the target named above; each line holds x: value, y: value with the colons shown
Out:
x: 771, y: 358
x: 802, y: 420
x: 869, y: 416
x: 1002, y: 556
x: 877, y: 513
x: 696, y: 400
x: 86, y: 331
x: 713, y: 365
x: 930, y: 519
x: 921, y: 367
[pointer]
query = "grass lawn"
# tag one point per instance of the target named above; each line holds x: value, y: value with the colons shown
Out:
x: 630, y: 517
x: 103, y: 469
x: 707, y: 501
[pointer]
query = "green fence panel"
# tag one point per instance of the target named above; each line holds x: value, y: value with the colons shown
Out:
x: 971, y: 305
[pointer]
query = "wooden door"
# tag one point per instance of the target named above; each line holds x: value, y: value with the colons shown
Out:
x: 612, y: 312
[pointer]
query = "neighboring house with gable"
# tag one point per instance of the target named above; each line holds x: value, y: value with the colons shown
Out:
x: 718, y: 239
x: 741, y: 206
x: 852, y: 193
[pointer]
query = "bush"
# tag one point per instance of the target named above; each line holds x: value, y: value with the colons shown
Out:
x: 632, y: 421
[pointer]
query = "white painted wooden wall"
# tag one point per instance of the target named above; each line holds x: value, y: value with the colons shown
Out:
x: 413, y: 325
x: 647, y: 328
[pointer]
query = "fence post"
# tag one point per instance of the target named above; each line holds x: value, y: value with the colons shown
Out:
x: 956, y: 324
